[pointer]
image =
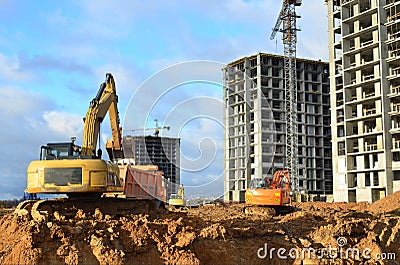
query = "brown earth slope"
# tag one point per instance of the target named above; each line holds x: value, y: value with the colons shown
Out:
x: 389, y: 204
x: 220, y: 234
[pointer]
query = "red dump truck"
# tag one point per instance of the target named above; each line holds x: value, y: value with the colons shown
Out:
x: 144, y: 182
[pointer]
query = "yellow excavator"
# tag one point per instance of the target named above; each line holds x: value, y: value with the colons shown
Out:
x: 178, y: 200
x: 89, y: 181
x: 80, y: 171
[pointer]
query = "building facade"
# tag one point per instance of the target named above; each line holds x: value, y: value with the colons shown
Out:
x: 153, y: 150
x: 364, y: 48
x: 255, y: 123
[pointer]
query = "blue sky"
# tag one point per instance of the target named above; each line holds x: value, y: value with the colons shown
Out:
x: 54, y: 55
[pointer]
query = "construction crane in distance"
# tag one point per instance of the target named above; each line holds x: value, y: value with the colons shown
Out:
x: 286, y: 24
x: 156, y: 129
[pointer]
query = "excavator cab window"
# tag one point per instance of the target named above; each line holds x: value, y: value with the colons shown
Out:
x: 257, y: 183
x: 59, y: 151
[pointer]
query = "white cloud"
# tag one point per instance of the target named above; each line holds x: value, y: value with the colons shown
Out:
x: 162, y: 63
x: 313, y: 37
x: 15, y: 101
x: 211, y: 126
x: 51, y: 63
x: 126, y: 81
x: 63, y: 123
x: 121, y: 11
x: 57, y: 18
x: 249, y: 12
x: 124, y: 76
x: 10, y: 69
x: 29, y: 121
x: 206, y: 185
x: 165, y: 90
x: 202, y: 180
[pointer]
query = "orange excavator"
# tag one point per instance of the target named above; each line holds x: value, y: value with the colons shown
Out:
x: 270, y: 196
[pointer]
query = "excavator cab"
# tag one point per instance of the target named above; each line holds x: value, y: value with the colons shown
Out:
x: 259, y: 183
x: 68, y: 150
x: 60, y: 151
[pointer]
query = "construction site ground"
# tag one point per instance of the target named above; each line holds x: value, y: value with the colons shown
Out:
x: 210, y: 234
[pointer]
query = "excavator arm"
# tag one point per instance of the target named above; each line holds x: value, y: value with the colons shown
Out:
x: 105, y: 101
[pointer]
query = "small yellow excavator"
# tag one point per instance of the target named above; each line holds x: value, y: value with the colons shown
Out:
x: 177, y: 200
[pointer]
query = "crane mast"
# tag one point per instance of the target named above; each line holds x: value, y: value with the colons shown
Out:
x: 286, y: 24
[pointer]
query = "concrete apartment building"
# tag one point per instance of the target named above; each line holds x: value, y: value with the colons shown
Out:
x: 364, y: 44
x: 153, y: 150
x: 255, y: 123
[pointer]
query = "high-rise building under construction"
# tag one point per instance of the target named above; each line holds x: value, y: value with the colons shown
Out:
x: 255, y: 123
x: 364, y: 45
x: 163, y: 152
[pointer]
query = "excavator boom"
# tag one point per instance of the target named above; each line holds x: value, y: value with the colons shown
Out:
x: 105, y: 101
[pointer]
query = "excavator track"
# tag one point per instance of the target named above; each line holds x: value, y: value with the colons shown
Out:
x: 45, y: 210
x: 269, y: 210
x: 24, y: 208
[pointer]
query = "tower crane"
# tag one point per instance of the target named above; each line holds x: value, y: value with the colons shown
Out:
x: 286, y: 24
x: 156, y: 129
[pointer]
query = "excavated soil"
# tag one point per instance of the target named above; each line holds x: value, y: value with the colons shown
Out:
x: 213, y: 234
x: 390, y: 204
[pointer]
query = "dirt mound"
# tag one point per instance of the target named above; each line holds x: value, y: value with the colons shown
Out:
x: 388, y: 204
x: 96, y: 239
x: 220, y: 234
x: 16, y: 242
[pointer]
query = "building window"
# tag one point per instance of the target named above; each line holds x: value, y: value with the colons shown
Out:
x: 352, y: 181
x: 396, y: 156
x: 396, y: 175
x: 340, y: 131
x: 367, y: 180
x: 376, y: 179
x: 341, y: 148
x: 340, y: 115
